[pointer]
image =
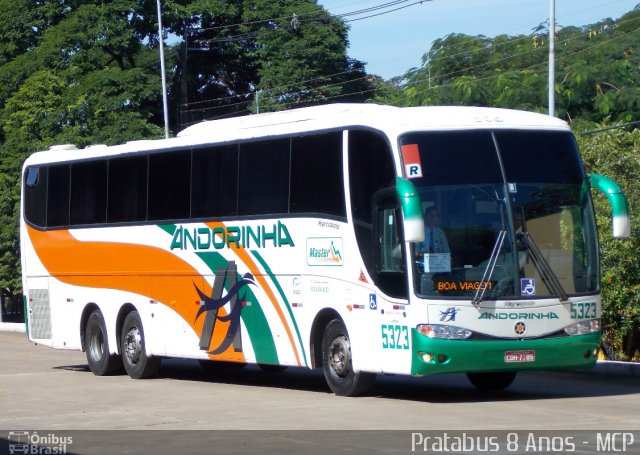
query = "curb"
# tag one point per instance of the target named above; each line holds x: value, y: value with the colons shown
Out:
x: 615, y: 368
x: 603, y: 367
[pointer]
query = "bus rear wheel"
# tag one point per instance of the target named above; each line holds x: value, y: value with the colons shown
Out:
x: 337, y: 362
x: 96, y: 343
x: 132, y: 345
x: 492, y: 381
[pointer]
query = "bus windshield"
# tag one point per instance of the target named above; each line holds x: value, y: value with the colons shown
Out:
x: 508, y: 215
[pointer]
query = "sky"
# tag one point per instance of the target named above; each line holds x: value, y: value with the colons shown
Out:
x: 391, y: 44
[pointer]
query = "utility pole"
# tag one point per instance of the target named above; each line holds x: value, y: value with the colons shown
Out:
x: 162, y: 71
x: 552, y: 57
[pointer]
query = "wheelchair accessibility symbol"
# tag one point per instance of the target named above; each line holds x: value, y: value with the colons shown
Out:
x: 373, y: 303
x: 527, y: 286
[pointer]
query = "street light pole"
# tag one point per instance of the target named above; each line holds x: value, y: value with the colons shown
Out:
x: 552, y: 57
x: 162, y: 71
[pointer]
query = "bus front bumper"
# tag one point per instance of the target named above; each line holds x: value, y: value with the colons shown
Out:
x: 437, y: 356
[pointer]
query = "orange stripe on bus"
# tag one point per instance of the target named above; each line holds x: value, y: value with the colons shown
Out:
x: 140, y: 269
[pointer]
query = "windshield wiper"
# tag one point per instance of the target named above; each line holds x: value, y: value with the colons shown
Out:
x: 541, y: 264
x: 493, y: 259
x: 488, y: 272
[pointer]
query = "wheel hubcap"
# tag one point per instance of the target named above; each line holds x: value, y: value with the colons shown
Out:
x: 133, y: 345
x: 339, y: 355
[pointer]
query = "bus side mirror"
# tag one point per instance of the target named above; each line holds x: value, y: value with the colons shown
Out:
x: 411, y: 210
x: 618, y: 202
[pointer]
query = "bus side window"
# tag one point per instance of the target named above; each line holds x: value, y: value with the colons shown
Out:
x: 264, y: 177
x: 88, y: 192
x: 35, y: 195
x: 371, y: 169
x: 58, y: 196
x: 389, y: 261
x: 317, y: 183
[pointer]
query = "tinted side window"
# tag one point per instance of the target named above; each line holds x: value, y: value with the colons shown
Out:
x: 89, y: 192
x: 214, y: 183
x: 127, y: 189
x: 317, y: 184
x: 371, y: 169
x: 264, y: 178
x: 58, y: 196
x: 35, y: 195
x: 169, y: 185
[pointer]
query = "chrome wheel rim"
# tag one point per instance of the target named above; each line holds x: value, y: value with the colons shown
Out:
x: 339, y: 356
x: 133, y: 345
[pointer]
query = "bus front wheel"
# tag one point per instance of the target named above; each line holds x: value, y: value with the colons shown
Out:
x: 337, y: 364
x: 96, y: 343
x: 492, y: 381
x: 132, y: 346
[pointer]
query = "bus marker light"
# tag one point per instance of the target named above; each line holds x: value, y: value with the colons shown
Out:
x: 349, y: 307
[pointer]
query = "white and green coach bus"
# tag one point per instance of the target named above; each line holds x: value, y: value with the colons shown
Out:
x: 298, y: 238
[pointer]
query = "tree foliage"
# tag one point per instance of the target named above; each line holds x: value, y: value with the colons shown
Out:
x: 615, y: 153
x: 86, y: 72
x: 597, y: 71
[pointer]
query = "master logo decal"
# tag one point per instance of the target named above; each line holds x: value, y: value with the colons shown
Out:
x: 324, y: 251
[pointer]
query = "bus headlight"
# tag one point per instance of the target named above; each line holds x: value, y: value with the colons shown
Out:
x: 444, y: 332
x: 583, y: 327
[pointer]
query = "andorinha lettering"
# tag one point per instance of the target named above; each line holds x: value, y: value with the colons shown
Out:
x: 549, y: 315
x: 464, y: 285
x: 205, y: 238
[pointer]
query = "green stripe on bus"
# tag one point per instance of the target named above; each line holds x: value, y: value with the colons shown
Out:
x: 284, y: 299
x: 168, y: 228
x: 26, y: 314
x: 253, y: 317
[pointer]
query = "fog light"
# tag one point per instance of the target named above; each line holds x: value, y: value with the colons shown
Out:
x: 427, y: 358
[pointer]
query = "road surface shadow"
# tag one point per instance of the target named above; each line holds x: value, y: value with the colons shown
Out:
x: 449, y: 388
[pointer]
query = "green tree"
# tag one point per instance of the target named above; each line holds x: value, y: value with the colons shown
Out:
x: 280, y: 54
x: 597, y: 75
x: 83, y: 72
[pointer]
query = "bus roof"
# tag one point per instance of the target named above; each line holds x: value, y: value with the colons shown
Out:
x: 393, y: 120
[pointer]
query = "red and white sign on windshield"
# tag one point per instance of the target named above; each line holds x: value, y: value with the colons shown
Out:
x: 411, y: 158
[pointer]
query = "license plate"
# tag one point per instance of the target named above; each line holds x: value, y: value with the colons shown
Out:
x: 519, y: 356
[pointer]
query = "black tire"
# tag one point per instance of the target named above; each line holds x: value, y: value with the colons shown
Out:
x: 337, y: 364
x: 492, y: 381
x: 132, y: 345
x: 96, y: 344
